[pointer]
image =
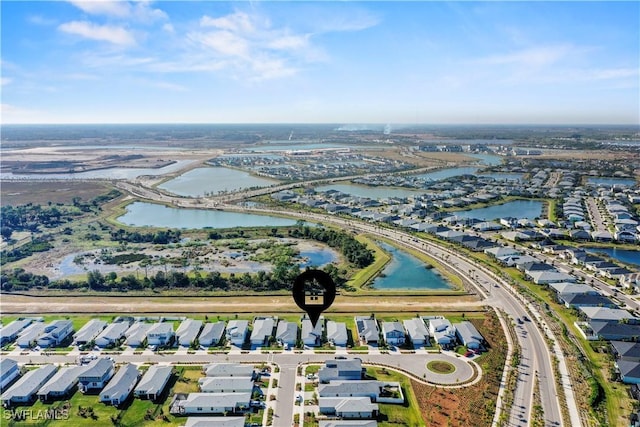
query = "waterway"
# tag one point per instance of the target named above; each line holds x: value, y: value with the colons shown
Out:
x: 405, y: 271
x: 529, y: 209
x: 143, y: 214
x: 213, y: 180
x: 371, y: 192
x: 109, y: 173
x: 627, y: 256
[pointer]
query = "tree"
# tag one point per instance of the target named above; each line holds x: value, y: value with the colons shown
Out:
x: 95, y: 280
x: 6, y: 232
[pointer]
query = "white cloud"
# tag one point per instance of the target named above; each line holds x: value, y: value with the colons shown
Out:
x: 168, y: 28
x: 532, y: 57
x: 109, y: 33
x: 5, y: 81
x: 289, y: 42
x: 120, y: 9
x: 238, y: 22
x: 223, y: 42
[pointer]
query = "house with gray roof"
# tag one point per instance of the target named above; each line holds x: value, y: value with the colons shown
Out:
x: 188, y: 332
x: 442, y: 331
x: 615, y: 330
x: 348, y: 407
x: 215, y: 422
x: 61, y: 385
x: 9, y: 371
x: 24, y: 390
x: 287, y: 333
x: 341, y: 369
x: 624, y: 350
x: 587, y: 300
x: 262, y: 331
x: 607, y: 314
x: 468, y: 335
x: 226, y: 384
x: 210, y: 403
x: 96, y: 375
x: 211, y: 334
x: 28, y: 336
x: 337, y: 333
x: 417, y: 331
x: 153, y: 382
x: 629, y: 371
x: 160, y: 333
x: 228, y: 370
x: 351, y: 388
x: 118, y: 390
x: 112, y: 334
x: 393, y: 333
x: 311, y: 336
x: 10, y: 332
x: 550, y: 276
x: 368, y: 331
x: 89, y: 331
x: 237, y: 331
x: 54, y: 333
x: 137, y: 333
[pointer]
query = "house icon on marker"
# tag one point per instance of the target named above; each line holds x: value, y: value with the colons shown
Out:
x: 314, y: 297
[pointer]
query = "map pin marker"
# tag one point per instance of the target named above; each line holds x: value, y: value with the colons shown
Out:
x: 314, y: 291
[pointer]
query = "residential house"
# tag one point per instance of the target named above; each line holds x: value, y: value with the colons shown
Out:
x: 28, y: 336
x: 89, y: 331
x: 237, y: 331
x: 417, y: 331
x: 96, y: 375
x: 368, y: 331
x: 548, y: 277
x: 137, y: 334
x: 607, y: 314
x: 287, y: 333
x: 210, y: 403
x: 442, y: 331
x: 587, y: 300
x: 629, y: 371
x: 341, y: 369
x: 615, y: 331
x: 624, y: 350
x: 228, y: 370
x: 188, y: 332
x: 153, y: 383
x: 347, y: 423
x: 262, y: 331
x: 9, y: 371
x: 468, y: 335
x: 393, y: 333
x: 10, y: 332
x: 24, y: 390
x: 630, y: 281
x: 311, y: 336
x: 502, y: 251
x: 119, y: 388
x: 160, y: 334
x: 377, y: 391
x: 211, y: 334
x: 348, y: 407
x: 226, y: 384
x: 112, y: 335
x: 215, y: 422
x: 55, y: 333
x: 61, y: 385
x: 337, y: 333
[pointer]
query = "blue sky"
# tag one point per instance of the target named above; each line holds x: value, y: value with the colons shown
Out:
x: 320, y: 62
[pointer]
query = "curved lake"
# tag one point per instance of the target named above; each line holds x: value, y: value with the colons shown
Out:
x: 142, y: 214
x: 371, y: 192
x: 317, y: 257
x: 611, y: 181
x: 529, y: 209
x: 627, y: 256
x: 201, y: 181
x: 448, y: 173
x: 109, y: 173
x: 405, y: 271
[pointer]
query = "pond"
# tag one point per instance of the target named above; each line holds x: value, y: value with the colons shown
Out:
x: 371, y: 192
x: 487, y: 159
x: 529, y: 209
x: 201, y: 181
x: 405, y: 271
x: 611, y: 181
x: 109, y: 173
x: 628, y: 256
x: 447, y: 173
x: 143, y: 214
x: 317, y: 257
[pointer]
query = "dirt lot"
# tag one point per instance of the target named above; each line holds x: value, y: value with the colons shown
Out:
x: 20, y: 193
x: 19, y: 304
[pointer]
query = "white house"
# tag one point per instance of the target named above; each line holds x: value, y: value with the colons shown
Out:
x: 228, y: 370
x: 54, y: 333
x: 30, y: 334
x: 262, y: 331
x: 311, y: 336
x: 89, y: 331
x: 9, y: 371
x: 287, y: 333
x: 337, y: 333
x: 417, y: 331
x: 393, y: 333
x: 61, y: 385
x: 210, y: 403
x: 468, y: 335
x: 112, y: 334
x: 237, y: 331
x: 153, y: 382
x: 137, y: 333
x: 211, y: 334
x: 10, y: 332
x: 24, y: 390
x: 368, y: 331
x: 121, y: 385
x: 348, y: 407
x: 160, y: 333
x: 226, y: 384
x: 96, y: 375
x: 442, y: 331
x: 188, y: 332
